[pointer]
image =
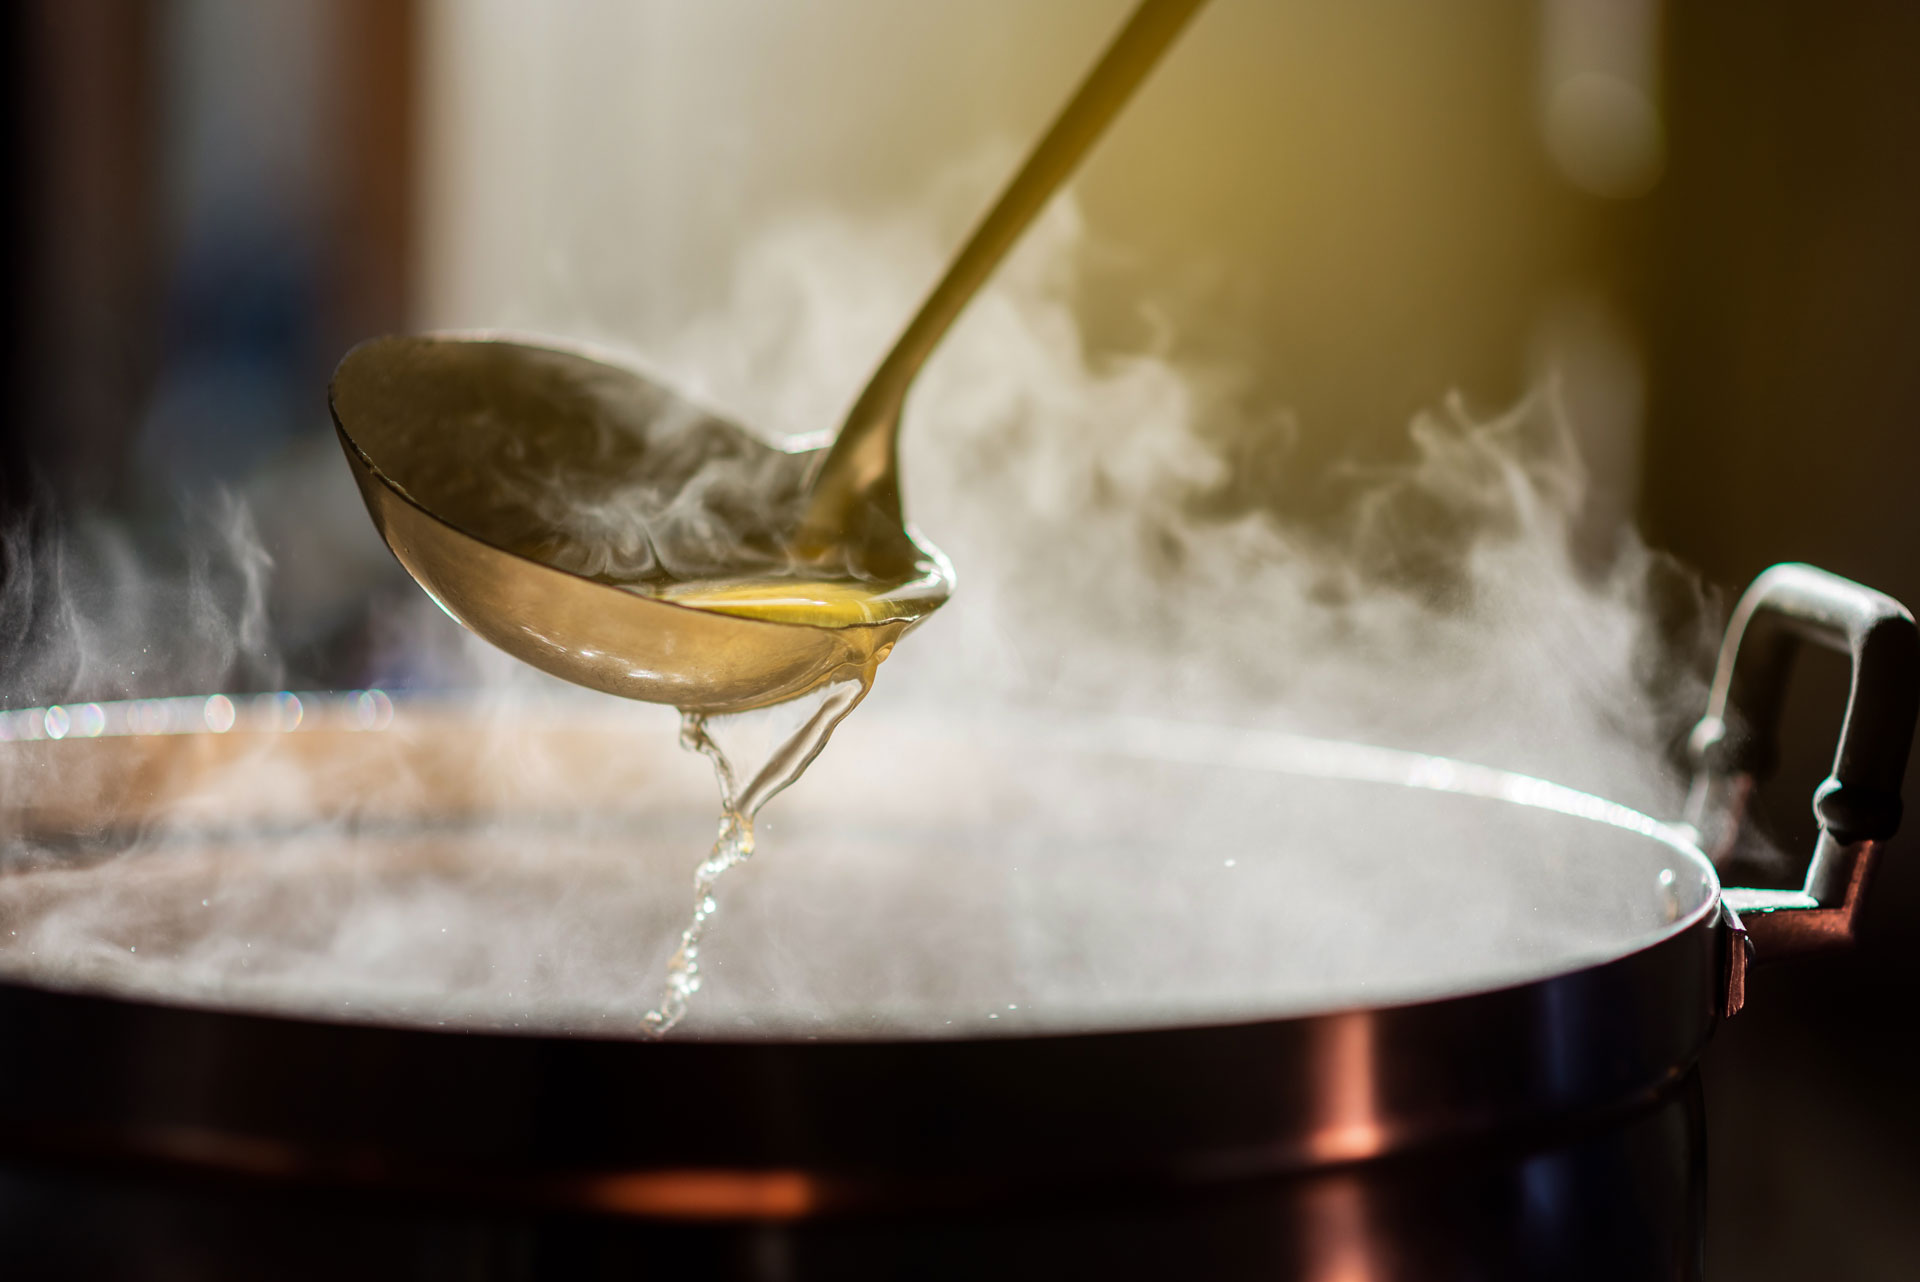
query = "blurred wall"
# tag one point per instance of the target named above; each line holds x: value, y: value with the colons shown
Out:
x: 216, y: 199
x: 216, y: 193
x: 83, y: 229
x: 1785, y: 425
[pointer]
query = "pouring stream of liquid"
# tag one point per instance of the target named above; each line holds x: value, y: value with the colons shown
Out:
x: 738, y: 806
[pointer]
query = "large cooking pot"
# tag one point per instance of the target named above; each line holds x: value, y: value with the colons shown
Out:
x: 1462, y: 1048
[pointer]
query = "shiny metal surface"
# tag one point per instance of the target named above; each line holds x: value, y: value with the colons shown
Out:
x: 463, y: 541
x: 1617, y: 1199
x: 461, y: 446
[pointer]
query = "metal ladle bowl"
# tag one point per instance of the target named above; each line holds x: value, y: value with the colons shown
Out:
x: 439, y: 428
x: 477, y: 457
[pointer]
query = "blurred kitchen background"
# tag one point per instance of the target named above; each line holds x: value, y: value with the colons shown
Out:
x: 1699, y: 219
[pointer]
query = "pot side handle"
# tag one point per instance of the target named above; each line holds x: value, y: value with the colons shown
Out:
x: 1735, y: 746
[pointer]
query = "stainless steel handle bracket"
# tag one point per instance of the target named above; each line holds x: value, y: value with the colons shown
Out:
x: 1739, y: 959
x: 1734, y: 749
x: 1785, y: 922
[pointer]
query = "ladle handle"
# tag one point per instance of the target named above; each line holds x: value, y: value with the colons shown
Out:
x: 860, y: 466
x: 1734, y: 747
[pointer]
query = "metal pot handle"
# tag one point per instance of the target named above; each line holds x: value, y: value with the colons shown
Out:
x: 1735, y: 747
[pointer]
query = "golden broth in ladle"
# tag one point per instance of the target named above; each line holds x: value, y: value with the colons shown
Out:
x: 816, y: 603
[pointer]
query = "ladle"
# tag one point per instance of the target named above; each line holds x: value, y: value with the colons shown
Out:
x: 509, y: 477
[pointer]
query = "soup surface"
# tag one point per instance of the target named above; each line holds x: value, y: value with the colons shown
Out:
x: 526, y: 867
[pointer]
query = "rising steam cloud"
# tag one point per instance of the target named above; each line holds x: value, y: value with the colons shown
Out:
x: 1108, y: 559
x: 92, y: 609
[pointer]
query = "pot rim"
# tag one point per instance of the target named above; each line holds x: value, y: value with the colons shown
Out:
x: 1212, y: 745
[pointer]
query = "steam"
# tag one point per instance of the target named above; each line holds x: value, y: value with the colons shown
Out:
x: 1109, y: 559
x: 607, y: 476
x: 97, y: 610
x: 713, y: 509
x: 1001, y: 833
